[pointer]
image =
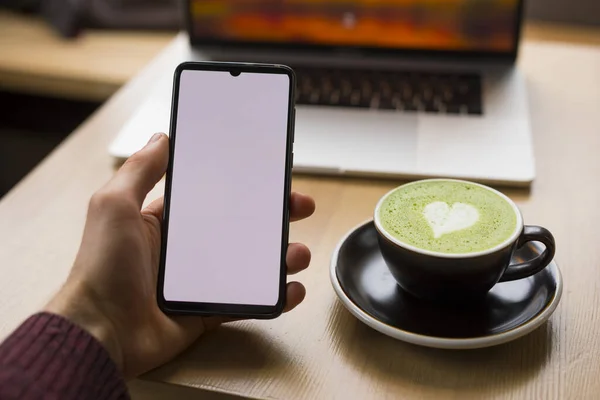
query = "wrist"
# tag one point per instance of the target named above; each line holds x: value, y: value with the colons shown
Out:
x: 77, y: 305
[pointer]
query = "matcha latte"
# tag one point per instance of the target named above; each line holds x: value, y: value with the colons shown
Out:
x: 447, y: 216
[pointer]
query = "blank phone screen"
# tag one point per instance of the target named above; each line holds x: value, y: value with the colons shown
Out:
x: 226, y: 213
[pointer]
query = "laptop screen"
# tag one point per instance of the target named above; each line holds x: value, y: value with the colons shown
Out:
x: 482, y: 26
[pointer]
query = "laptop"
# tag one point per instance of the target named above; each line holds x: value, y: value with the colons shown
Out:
x: 398, y: 88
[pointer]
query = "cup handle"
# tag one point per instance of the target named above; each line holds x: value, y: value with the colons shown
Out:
x: 538, y: 263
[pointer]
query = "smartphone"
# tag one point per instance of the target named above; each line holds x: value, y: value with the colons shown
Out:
x: 226, y: 215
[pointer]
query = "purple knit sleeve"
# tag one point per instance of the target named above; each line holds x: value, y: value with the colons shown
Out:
x: 49, y: 357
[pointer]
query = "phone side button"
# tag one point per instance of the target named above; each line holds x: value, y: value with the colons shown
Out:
x: 294, y: 126
x: 292, y: 161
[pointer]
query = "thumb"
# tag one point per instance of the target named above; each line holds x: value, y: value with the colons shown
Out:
x: 144, y: 169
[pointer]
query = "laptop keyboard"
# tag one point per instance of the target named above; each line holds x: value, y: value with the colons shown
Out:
x: 390, y: 90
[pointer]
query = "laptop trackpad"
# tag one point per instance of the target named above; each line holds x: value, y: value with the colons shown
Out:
x: 359, y: 140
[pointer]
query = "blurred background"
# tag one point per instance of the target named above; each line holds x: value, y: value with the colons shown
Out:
x: 60, y: 59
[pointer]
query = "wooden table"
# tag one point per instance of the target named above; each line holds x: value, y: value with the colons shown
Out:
x: 35, y: 59
x: 320, y: 351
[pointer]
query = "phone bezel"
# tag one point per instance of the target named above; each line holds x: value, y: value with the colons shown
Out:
x: 229, y: 310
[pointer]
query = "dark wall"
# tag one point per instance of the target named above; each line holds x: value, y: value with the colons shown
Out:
x: 30, y: 128
x: 565, y: 11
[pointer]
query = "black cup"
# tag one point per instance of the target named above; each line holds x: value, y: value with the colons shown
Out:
x: 439, y: 276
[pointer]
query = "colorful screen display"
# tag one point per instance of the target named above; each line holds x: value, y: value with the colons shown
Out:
x: 454, y: 25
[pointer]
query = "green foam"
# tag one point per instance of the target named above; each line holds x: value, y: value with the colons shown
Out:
x: 401, y: 214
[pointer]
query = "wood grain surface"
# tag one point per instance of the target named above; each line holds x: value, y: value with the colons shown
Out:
x: 320, y: 351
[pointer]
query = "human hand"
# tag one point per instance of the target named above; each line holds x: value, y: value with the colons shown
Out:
x: 111, y: 290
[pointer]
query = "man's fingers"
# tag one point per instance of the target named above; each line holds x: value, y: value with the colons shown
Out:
x: 156, y: 208
x: 144, y: 169
x: 297, y: 258
x: 194, y: 326
x: 301, y: 206
x: 295, y: 294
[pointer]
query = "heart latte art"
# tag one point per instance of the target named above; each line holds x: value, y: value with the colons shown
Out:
x: 448, y: 216
x: 445, y: 219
